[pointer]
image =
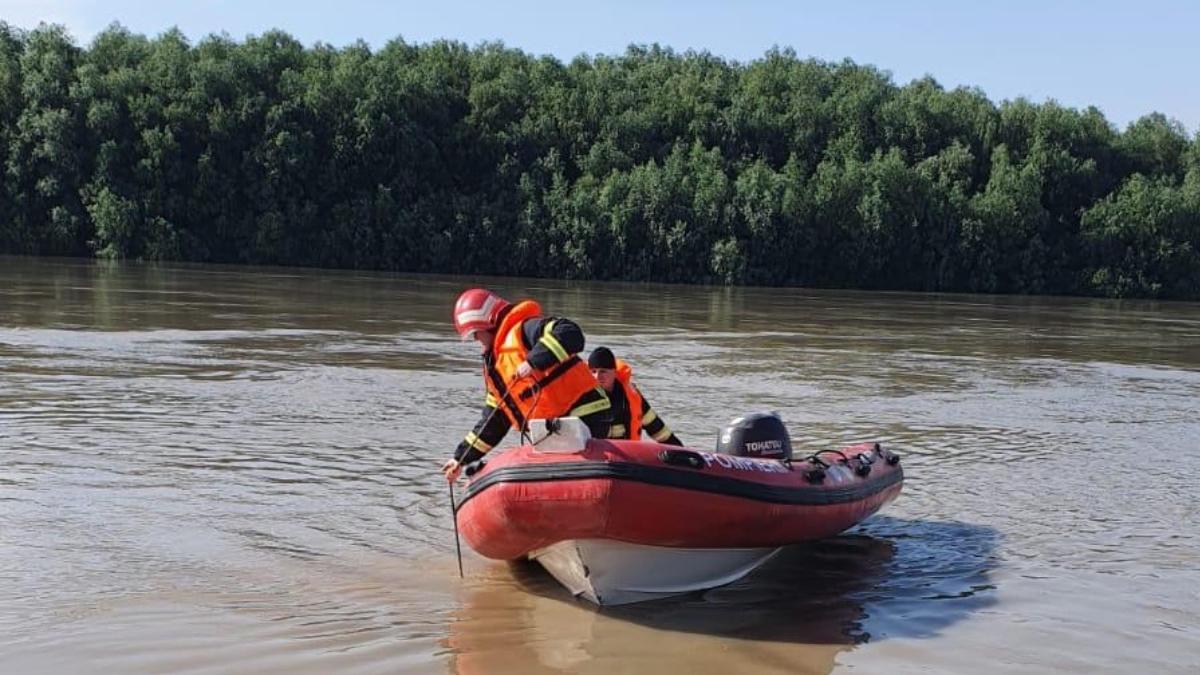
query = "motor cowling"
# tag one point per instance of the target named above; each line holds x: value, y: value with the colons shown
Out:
x: 759, y: 434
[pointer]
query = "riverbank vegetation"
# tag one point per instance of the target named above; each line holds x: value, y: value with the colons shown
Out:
x: 651, y: 165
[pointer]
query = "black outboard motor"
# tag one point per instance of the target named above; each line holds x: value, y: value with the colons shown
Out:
x: 759, y: 434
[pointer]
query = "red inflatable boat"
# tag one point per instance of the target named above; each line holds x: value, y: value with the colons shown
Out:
x: 621, y: 521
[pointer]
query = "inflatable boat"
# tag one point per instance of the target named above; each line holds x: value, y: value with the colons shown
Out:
x: 623, y: 521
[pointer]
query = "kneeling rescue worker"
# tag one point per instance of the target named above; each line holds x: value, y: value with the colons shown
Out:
x: 631, y: 412
x: 530, y: 369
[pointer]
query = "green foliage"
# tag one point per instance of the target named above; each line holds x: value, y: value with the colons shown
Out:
x: 1154, y: 146
x: 650, y: 165
x: 1001, y: 249
x: 45, y: 163
x: 1144, y: 241
x: 14, y: 235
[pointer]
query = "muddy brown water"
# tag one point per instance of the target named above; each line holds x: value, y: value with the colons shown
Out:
x: 229, y: 470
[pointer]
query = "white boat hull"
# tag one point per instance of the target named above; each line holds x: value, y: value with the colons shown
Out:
x: 616, y: 573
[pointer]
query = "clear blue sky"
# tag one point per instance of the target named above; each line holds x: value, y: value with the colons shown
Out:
x: 1127, y: 58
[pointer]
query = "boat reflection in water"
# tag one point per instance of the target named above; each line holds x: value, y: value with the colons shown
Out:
x: 796, y: 613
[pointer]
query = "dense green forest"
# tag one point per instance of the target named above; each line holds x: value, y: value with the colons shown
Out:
x: 651, y: 165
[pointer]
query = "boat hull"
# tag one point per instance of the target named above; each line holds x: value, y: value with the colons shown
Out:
x: 624, y: 491
x: 609, y: 572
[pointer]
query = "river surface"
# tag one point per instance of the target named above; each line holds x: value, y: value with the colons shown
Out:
x: 228, y: 470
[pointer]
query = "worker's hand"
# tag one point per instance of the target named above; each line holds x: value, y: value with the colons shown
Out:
x: 451, y: 469
x: 524, y: 370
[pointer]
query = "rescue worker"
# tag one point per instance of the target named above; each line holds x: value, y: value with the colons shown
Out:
x: 631, y: 412
x: 531, y: 370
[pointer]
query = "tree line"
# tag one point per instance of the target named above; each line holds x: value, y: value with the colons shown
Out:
x: 651, y: 165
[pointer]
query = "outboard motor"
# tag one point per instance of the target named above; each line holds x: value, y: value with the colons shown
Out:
x: 759, y: 434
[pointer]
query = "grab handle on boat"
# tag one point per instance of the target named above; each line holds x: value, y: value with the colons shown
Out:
x: 844, y: 459
x: 688, y: 458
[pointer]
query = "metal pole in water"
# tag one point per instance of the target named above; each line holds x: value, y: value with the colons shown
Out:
x: 454, y: 517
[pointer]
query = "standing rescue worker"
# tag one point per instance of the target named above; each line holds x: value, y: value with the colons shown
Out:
x: 530, y: 369
x: 631, y: 412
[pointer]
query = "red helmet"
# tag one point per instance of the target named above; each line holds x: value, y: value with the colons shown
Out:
x: 477, y: 309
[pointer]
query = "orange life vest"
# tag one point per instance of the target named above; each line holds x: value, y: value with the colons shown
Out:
x: 547, y: 393
x: 633, y: 397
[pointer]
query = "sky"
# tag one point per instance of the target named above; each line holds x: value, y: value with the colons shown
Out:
x: 1126, y: 58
